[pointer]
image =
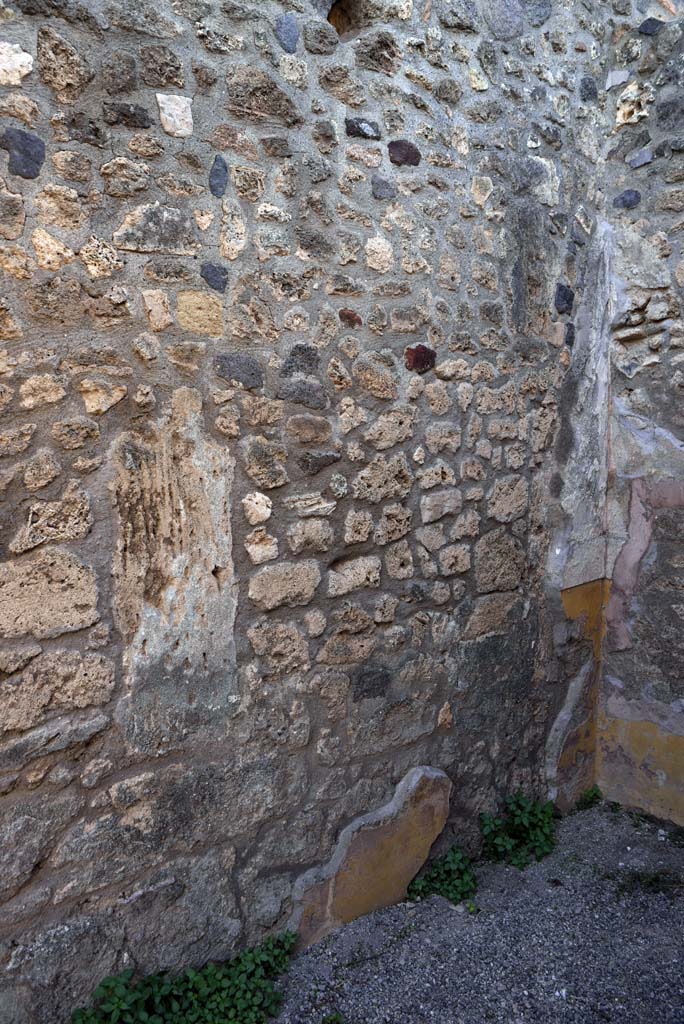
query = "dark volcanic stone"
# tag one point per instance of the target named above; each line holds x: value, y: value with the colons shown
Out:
x: 631, y: 140
x: 276, y: 145
x: 215, y: 275
x: 448, y: 90
x: 670, y: 110
x: 627, y: 200
x: 239, y: 366
x: 302, y: 391
x: 371, y: 681
x: 26, y: 152
x: 320, y: 37
x: 82, y: 128
x: 314, y: 243
x: 130, y: 115
x: 157, y: 228
x: 287, y: 32
x: 218, y: 176
x: 119, y: 73
x: 382, y: 188
x: 651, y: 27
x: 350, y: 318
x: 403, y: 152
x: 316, y: 168
x: 147, y: 17
x: 641, y: 158
x: 537, y: 11
x: 302, y: 359
x: 459, y: 14
x: 588, y: 89
x: 324, y: 135
x: 72, y: 12
x: 419, y: 358
x: 161, y: 66
x: 504, y: 17
x: 255, y: 96
x: 565, y: 298
x: 569, y: 335
x: 168, y: 271
x: 378, y: 52
x: 360, y: 128
x: 312, y: 463
x: 204, y: 75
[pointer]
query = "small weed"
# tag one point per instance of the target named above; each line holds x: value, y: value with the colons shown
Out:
x: 240, y: 991
x: 589, y: 798
x: 663, y: 882
x: 450, y: 876
x: 334, y: 1018
x: 527, y: 831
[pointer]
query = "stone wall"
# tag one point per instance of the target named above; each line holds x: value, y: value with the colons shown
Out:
x: 320, y: 437
x: 640, y: 752
x: 618, y: 556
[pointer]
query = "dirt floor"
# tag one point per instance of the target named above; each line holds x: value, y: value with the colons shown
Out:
x: 593, y: 933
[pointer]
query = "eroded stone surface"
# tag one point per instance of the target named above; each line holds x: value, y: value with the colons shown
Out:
x: 54, y: 682
x: 376, y: 857
x: 289, y: 583
x: 47, y: 594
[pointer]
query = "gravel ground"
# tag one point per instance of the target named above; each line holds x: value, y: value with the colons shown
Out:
x: 584, y: 936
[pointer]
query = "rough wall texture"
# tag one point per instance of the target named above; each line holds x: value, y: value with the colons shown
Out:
x: 623, y: 493
x: 340, y: 433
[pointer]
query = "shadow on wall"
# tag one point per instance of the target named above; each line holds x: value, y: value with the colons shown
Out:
x: 348, y: 16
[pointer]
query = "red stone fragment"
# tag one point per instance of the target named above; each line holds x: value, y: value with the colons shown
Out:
x: 419, y: 358
x: 350, y: 318
x: 404, y: 152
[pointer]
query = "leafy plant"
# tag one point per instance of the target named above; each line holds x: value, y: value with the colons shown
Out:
x: 526, y: 831
x: 333, y: 1018
x: 450, y: 876
x: 237, y: 992
x: 589, y: 798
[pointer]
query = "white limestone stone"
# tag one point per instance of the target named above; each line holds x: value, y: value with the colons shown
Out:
x: 175, y: 113
x: 15, y: 63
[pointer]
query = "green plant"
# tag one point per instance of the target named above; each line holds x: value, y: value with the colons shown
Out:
x: 526, y: 831
x: 333, y: 1018
x: 450, y: 876
x: 237, y: 992
x: 589, y: 798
